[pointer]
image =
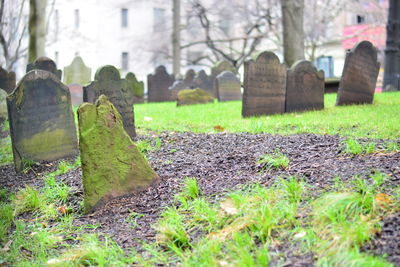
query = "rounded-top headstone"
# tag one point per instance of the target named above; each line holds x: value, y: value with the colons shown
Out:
x: 227, y: 86
x: 44, y: 63
x: 106, y: 73
x: 131, y: 77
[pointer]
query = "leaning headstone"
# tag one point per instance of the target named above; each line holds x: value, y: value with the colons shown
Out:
x: 264, y: 86
x: 227, y: 86
x: 138, y: 87
x: 7, y: 80
x: 77, y: 72
x: 44, y: 63
x: 203, y: 81
x: 42, y: 124
x: 193, y: 96
x: 119, y: 91
x: 158, y: 85
x: 304, y: 87
x: 359, y: 76
x: 178, y: 86
x: 112, y: 166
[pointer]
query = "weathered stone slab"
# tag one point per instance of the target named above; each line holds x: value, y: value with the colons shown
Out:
x: 44, y: 63
x: 304, y: 87
x: 112, y: 166
x: 77, y: 72
x: 360, y: 73
x: 193, y: 96
x: 205, y: 82
x: 3, y: 105
x: 138, y: 87
x: 42, y: 124
x: 158, y: 85
x: 119, y: 91
x: 227, y: 86
x: 218, y: 68
x: 7, y: 80
x: 264, y: 86
x: 76, y: 91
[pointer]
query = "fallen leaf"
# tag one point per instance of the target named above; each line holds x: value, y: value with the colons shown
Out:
x: 300, y: 235
x: 229, y: 207
x: 147, y: 118
x: 219, y: 128
x: 236, y: 226
x: 62, y: 210
x: 383, y: 200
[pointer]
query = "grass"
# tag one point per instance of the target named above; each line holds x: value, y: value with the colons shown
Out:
x: 276, y: 160
x: 379, y: 120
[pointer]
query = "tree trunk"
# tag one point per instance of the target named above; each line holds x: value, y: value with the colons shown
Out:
x: 176, y: 38
x: 37, y: 29
x: 293, y: 30
x: 391, y: 78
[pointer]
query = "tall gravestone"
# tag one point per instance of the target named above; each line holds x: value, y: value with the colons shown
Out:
x: 119, y: 91
x: 304, y: 87
x: 7, y: 80
x: 112, y: 166
x: 138, y: 87
x: 227, y: 86
x: 77, y: 72
x: 189, y: 77
x: 264, y: 86
x: 44, y: 63
x: 359, y: 76
x: 41, y: 120
x: 158, y: 85
x: 203, y: 81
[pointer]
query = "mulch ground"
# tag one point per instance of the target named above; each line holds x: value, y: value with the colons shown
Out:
x: 225, y: 162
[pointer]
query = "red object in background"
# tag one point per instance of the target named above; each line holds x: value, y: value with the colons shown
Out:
x: 357, y: 33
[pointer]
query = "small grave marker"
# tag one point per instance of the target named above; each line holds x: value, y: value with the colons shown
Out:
x: 158, y: 85
x: 227, y: 86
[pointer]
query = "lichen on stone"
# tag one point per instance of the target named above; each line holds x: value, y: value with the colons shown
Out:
x: 193, y: 96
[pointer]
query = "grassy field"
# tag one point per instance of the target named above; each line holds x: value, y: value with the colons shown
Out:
x: 380, y: 120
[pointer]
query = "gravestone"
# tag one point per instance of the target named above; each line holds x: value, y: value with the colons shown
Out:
x: 304, y: 87
x: 359, y: 76
x: 193, y: 96
x: 3, y: 106
x: 220, y: 67
x: 189, y: 77
x: 44, y: 63
x: 264, y: 86
x: 77, y: 72
x: 138, y: 87
x: 112, y: 166
x: 158, y: 85
x: 176, y: 87
x: 42, y: 124
x: 203, y: 81
x: 119, y: 91
x: 7, y: 80
x: 76, y: 91
x: 227, y: 86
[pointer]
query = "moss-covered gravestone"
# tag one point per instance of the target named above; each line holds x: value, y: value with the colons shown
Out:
x: 112, y: 166
x: 77, y: 72
x: 42, y: 124
x: 119, y: 91
x: 138, y: 87
x: 3, y: 105
x: 44, y: 63
x: 158, y: 85
x: 193, y: 96
x: 7, y: 80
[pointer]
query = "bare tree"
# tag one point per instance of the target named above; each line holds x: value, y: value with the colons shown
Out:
x: 176, y: 37
x: 293, y: 31
x: 12, y: 32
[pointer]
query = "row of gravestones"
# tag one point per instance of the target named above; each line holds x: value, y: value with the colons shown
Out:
x: 270, y: 88
x: 222, y: 84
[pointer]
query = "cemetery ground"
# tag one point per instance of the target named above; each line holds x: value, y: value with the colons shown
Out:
x: 314, y: 188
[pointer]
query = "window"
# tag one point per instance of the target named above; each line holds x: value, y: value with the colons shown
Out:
x: 159, y: 19
x: 124, y: 18
x: 326, y: 64
x: 125, y: 61
x: 360, y: 19
x: 76, y: 18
